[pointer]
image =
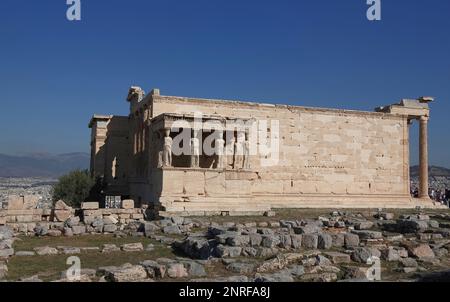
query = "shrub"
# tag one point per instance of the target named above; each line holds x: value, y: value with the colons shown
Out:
x: 74, y: 188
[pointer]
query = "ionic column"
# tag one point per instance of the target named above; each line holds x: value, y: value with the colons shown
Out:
x: 423, y: 157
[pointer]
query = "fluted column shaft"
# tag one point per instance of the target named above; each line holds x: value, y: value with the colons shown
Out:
x: 423, y: 157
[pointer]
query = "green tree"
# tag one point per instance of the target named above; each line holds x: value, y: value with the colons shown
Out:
x: 74, y: 188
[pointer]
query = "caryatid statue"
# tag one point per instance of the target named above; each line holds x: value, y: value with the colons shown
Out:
x: 219, y: 145
x: 239, y: 150
x: 167, y: 149
x: 195, y: 150
x: 229, y: 152
x: 246, y: 156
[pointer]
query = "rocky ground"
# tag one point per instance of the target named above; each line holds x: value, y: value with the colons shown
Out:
x: 291, y: 246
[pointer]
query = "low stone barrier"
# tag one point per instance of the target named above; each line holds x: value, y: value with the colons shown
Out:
x: 22, y: 216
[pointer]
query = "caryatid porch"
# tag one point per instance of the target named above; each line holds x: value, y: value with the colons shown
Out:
x: 215, y: 166
x: 202, y: 142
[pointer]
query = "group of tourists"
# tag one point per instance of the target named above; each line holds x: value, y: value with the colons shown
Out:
x: 442, y: 196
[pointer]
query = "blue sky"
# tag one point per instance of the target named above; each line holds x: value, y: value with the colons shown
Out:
x: 54, y: 74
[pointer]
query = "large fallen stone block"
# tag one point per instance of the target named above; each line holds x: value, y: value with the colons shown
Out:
x: 40, y: 229
x: 363, y: 225
x: 111, y: 219
x: 408, y: 262
x: 270, y: 241
x: 197, y: 247
x: 420, y: 251
x: 411, y: 226
x: 127, y: 204
x: 72, y: 221
x: 296, y: 241
x: 362, y: 254
x: 54, y: 233
x: 149, y: 228
x: 109, y: 228
x: 338, y: 240
x: 45, y: 250
x: 338, y: 258
x: 248, y: 251
x: 285, y: 241
x: 177, y: 220
x: 132, y: 247
x: 241, y: 268
x: 255, y: 239
x: 310, y: 241
x: 172, y: 230
x: 265, y: 252
x: 194, y: 269
x: 390, y: 254
x: 62, y: 215
x: 127, y: 273
x: 325, y: 241
x: 214, y: 231
x: 351, y: 240
x: 154, y: 269
x: 227, y: 251
x: 356, y: 272
x: 25, y: 218
x: 222, y: 238
x: 61, y: 205
x: 92, y: 205
x: 24, y: 253
x: 238, y: 240
x: 69, y: 250
x: 78, y: 229
x: 307, y: 229
x: 108, y: 248
x: 365, y: 234
x: 176, y: 270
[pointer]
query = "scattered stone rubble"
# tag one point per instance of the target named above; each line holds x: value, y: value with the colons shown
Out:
x: 336, y: 247
x: 332, y: 248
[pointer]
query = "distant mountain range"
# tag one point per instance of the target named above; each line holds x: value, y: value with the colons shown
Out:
x: 433, y: 171
x: 41, y: 164
x: 47, y: 165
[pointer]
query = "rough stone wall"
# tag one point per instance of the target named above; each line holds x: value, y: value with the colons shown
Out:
x: 110, y: 153
x: 23, y: 209
x: 25, y: 219
x: 98, y: 137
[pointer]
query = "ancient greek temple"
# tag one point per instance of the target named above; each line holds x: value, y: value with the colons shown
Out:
x: 191, y: 156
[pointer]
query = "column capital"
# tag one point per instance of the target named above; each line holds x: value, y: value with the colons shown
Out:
x: 424, y: 118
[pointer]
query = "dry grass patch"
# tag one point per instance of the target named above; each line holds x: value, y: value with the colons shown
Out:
x: 50, y: 267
